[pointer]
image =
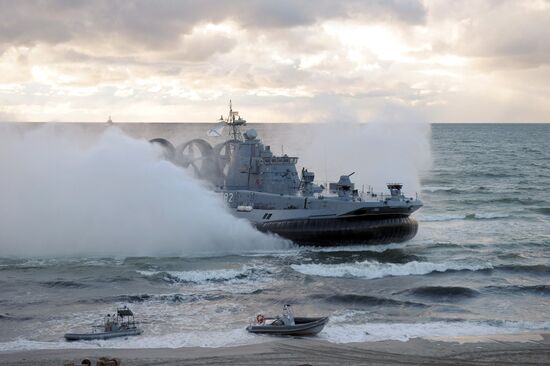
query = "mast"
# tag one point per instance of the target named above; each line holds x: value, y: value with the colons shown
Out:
x: 234, y: 120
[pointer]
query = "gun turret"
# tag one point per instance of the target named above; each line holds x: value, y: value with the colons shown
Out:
x: 344, y: 187
x: 307, y: 187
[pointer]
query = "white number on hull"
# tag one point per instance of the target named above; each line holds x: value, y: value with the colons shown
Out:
x: 228, y: 197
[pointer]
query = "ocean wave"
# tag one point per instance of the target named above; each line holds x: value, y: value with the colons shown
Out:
x: 33, y: 263
x: 176, y: 298
x: 454, y: 190
x: 339, y: 257
x: 7, y: 316
x: 372, y: 270
x: 542, y: 210
x: 441, y: 190
x: 489, y: 174
x: 531, y: 290
x: 63, y: 284
x: 189, y: 338
x: 485, y: 216
x: 338, y: 332
x: 502, y: 200
x: 220, y: 275
x: 438, y: 218
x: 471, y: 216
x: 532, y: 269
x: 443, y: 292
x: 356, y: 248
x: 363, y: 300
x: 247, y: 280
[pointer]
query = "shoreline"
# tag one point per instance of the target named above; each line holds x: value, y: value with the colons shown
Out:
x: 512, y: 349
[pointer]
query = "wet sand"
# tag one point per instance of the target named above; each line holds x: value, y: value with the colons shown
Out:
x: 520, y: 349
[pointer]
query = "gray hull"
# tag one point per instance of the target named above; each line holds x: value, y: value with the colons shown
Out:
x: 303, y: 327
x: 102, y: 335
x: 343, y: 231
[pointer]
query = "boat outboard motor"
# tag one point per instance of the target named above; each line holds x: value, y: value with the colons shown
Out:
x: 288, y: 315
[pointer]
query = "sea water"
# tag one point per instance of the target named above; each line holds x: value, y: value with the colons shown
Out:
x: 480, y: 263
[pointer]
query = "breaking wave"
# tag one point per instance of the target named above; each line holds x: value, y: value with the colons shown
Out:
x: 386, y: 256
x: 176, y: 298
x: 186, y: 338
x: 371, y: 270
x: 219, y: 275
x: 341, y: 331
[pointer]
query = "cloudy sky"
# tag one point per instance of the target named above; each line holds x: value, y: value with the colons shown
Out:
x: 279, y: 60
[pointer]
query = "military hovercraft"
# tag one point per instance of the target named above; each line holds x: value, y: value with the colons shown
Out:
x: 267, y: 190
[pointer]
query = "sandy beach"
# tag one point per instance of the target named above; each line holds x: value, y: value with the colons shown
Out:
x: 518, y: 349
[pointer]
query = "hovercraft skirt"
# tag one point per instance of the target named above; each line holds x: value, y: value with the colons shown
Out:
x: 343, y: 231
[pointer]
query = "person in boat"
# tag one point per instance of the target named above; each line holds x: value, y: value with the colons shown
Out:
x: 286, y: 319
x: 108, y: 323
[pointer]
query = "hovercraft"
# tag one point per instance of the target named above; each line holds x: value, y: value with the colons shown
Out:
x: 267, y: 190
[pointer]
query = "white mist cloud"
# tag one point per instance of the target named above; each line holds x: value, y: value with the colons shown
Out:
x: 393, y: 146
x: 65, y: 193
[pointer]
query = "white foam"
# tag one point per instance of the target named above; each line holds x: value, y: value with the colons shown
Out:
x: 218, y: 338
x: 203, y: 276
x: 247, y: 279
x: 371, y: 269
x: 337, y: 331
x: 372, y: 332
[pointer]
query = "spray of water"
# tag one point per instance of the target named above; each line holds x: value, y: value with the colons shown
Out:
x: 62, y: 193
x: 394, y: 146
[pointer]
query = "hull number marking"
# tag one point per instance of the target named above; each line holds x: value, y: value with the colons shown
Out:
x: 228, y: 197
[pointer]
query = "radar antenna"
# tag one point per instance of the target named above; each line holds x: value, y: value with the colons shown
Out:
x: 235, y: 121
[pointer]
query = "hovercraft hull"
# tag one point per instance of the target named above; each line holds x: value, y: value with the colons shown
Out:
x: 343, y: 230
x: 303, y: 327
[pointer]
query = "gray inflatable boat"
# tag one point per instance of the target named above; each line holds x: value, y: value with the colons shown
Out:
x: 120, y: 325
x: 288, y: 324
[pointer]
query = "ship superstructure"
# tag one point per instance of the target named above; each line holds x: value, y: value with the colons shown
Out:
x: 267, y: 190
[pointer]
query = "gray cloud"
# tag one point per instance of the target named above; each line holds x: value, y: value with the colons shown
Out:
x: 498, y: 34
x: 160, y: 23
x: 160, y: 59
